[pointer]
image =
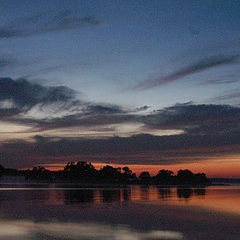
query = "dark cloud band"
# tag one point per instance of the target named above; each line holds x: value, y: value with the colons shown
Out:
x: 39, y: 24
x: 201, y: 65
x: 206, y: 129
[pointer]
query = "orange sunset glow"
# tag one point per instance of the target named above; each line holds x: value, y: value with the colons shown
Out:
x: 213, y: 167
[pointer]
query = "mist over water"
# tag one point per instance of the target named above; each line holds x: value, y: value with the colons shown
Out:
x: 32, y: 212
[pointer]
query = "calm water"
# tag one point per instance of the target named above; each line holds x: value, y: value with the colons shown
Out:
x: 50, y: 212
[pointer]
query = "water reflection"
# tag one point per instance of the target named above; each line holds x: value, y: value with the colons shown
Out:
x: 220, y: 198
x: 200, y: 191
x: 36, y: 195
x: 150, y: 213
x: 127, y: 194
x: 79, y: 196
x: 184, y: 192
x: 144, y: 192
x: 164, y: 193
x: 110, y: 195
x: 101, y: 195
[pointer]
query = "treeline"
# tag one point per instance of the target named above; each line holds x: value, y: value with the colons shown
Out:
x: 83, y: 172
x: 8, y: 171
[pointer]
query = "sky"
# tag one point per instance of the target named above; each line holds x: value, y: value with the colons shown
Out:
x: 148, y: 84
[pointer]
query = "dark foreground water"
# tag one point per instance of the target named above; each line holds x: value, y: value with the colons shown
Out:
x: 133, y: 213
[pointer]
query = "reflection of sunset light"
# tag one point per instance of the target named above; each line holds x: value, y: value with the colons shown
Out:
x: 68, y: 230
x: 222, y: 199
x: 214, y: 198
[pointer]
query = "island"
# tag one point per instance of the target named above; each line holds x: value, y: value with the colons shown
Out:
x: 85, y: 173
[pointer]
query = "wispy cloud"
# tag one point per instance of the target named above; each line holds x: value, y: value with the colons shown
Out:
x: 223, y: 79
x: 226, y: 96
x: 39, y: 24
x: 199, y: 66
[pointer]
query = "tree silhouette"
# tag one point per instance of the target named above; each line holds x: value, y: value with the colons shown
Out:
x: 2, y: 170
x: 201, y: 178
x: 128, y: 176
x: 145, y: 177
x: 83, y: 172
x: 110, y: 173
x: 80, y: 171
x: 38, y: 173
x: 185, y: 176
x: 164, y: 177
x: 127, y: 171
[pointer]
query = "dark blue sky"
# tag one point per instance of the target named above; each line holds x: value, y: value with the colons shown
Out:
x: 117, y: 68
x: 124, y: 44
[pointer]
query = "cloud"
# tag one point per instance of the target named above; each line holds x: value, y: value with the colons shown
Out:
x: 229, y: 78
x: 42, y: 71
x: 48, y: 108
x: 39, y: 24
x: 197, y: 130
x: 201, y: 65
x: 224, y: 79
x: 84, y: 119
x: 208, y: 130
x: 200, y: 119
x: 104, y: 109
x: 23, y: 102
x: 143, y: 108
x: 141, y: 149
x: 227, y: 96
x: 7, y: 112
x: 24, y: 94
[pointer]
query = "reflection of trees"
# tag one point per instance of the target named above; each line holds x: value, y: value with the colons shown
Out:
x: 188, y: 192
x: 8, y: 196
x: 110, y: 195
x: 126, y: 194
x: 200, y: 191
x: 184, y: 192
x: 164, y: 193
x: 144, y: 192
x: 41, y: 195
x: 79, y: 196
